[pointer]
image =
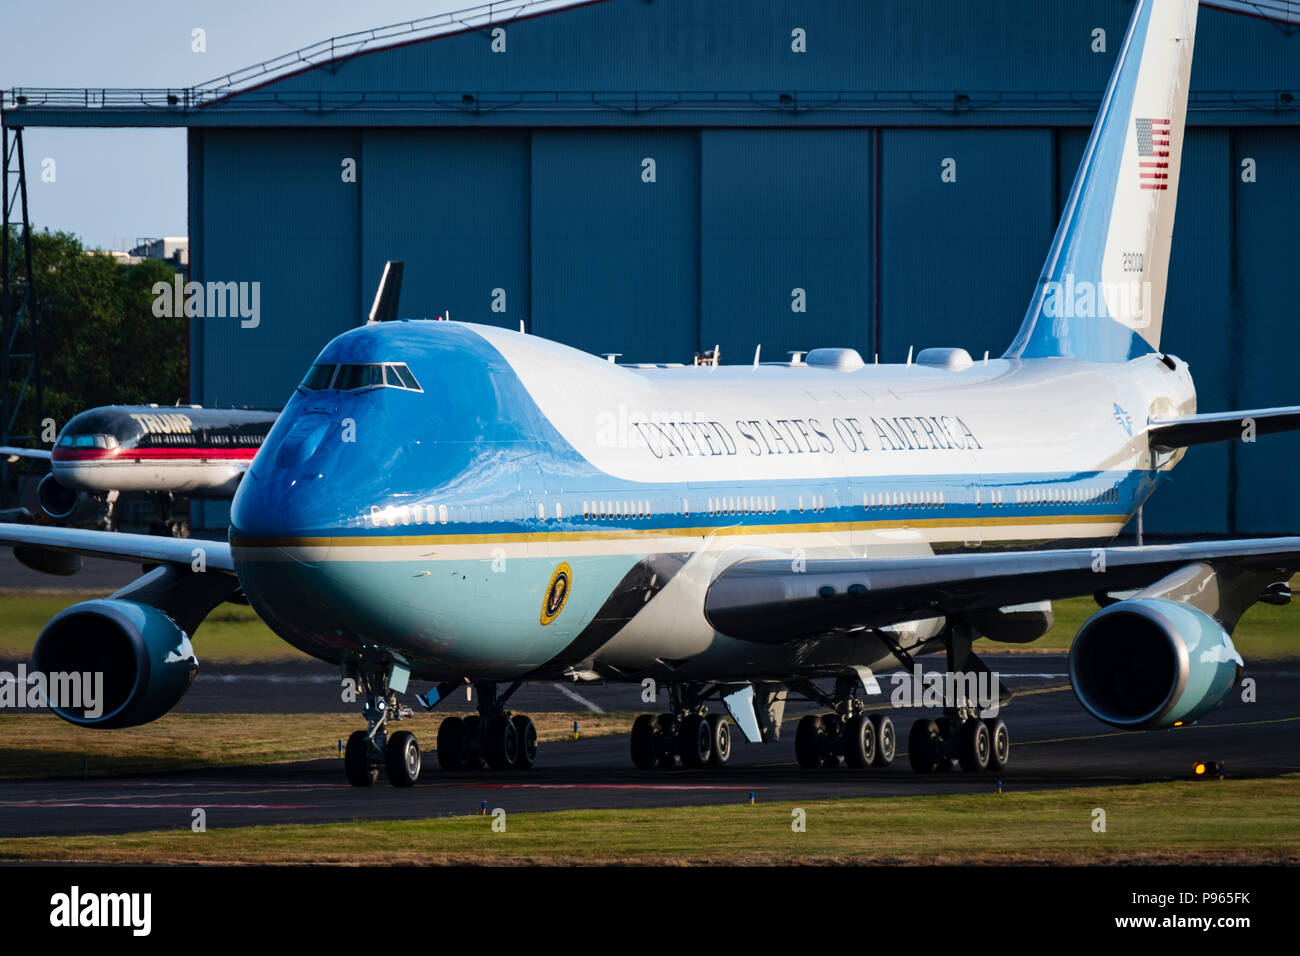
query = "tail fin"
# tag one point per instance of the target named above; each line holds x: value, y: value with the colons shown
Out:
x: 387, y: 295
x: 1101, y: 294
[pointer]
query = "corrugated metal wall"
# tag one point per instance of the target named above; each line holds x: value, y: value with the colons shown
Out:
x: 655, y: 242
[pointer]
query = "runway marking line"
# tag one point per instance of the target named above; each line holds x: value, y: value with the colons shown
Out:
x: 601, y: 786
x: 1128, y: 733
x: 156, y: 806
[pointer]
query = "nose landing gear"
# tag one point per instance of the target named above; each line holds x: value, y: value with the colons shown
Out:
x: 370, y: 750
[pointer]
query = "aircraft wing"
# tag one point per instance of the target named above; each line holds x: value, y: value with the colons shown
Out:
x: 1174, y: 433
x: 766, y: 600
x: 137, y: 548
x: 9, y: 451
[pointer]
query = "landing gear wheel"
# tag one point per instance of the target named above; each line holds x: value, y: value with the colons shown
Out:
x: 356, y: 761
x: 860, y: 742
x: 973, y: 746
x: 402, y: 759
x: 923, y: 746
x: 695, y: 744
x: 999, y: 743
x: 473, y: 759
x: 644, y: 729
x: 834, y: 728
x: 665, y: 744
x: 453, y: 744
x: 808, y: 741
x: 886, y: 741
x: 502, y: 744
x: 719, y: 739
x: 526, y: 734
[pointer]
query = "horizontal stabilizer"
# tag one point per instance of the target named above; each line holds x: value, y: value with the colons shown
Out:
x: 1222, y: 426
x: 390, y: 291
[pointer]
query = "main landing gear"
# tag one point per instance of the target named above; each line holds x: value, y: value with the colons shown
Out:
x: 368, y: 751
x: 503, y: 740
x: 688, y: 732
x: 960, y: 739
x: 848, y: 734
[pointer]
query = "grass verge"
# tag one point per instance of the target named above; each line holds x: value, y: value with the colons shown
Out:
x: 1230, y: 821
x: 231, y: 634
x: 42, y: 745
x: 1266, y: 632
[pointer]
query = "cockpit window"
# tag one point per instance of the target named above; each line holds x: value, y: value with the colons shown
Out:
x: 399, y: 376
x: 318, y: 377
x: 102, y: 442
x: 352, y: 377
x: 358, y: 376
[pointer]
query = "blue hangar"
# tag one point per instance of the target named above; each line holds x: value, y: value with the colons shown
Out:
x: 654, y: 177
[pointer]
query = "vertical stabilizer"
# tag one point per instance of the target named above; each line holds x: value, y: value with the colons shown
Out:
x: 1101, y: 293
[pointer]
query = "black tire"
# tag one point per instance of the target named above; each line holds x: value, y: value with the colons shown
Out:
x: 473, y: 759
x: 694, y: 743
x: 644, y: 729
x: 860, y: 742
x: 402, y: 759
x: 833, y: 736
x: 453, y: 744
x: 526, y: 733
x: 808, y: 741
x: 922, y: 746
x: 502, y: 744
x: 356, y: 761
x: 666, y: 742
x: 999, y: 743
x: 973, y: 746
x: 886, y: 740
x: 719, y: 740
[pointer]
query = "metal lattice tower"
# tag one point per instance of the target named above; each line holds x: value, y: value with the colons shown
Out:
x: 20, y: 370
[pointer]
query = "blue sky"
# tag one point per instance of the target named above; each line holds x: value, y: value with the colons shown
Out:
x: 113, y: 185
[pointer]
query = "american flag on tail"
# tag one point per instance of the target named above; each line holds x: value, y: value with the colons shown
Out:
x: 1153, y: 142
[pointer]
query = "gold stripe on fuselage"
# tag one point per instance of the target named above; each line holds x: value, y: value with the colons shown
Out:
x: 615, y: 534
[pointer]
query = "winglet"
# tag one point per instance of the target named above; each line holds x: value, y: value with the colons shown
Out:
x: 386, y: 297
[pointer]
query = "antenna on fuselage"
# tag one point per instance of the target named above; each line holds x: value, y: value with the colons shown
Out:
x: 909, y: 354
x: 757, y: 351
x: 387, y: 295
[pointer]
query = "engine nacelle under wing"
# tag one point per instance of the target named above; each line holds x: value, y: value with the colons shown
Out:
x: 146, y: 659
x: 1151, y: 662
x: 58, y: 501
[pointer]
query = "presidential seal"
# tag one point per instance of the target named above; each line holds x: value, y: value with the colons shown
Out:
x: 557, y: 592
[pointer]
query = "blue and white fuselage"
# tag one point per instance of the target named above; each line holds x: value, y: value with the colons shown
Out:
x: 433, y: 521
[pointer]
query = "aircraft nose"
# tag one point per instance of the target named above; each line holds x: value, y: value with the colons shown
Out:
x: 286, y: 492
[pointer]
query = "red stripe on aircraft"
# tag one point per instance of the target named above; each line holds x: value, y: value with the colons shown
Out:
x: 138, y: 454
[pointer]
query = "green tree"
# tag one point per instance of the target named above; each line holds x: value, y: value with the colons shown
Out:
x: 100, y: 343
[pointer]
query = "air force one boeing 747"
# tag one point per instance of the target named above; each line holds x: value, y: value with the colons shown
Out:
x: 462, y: 503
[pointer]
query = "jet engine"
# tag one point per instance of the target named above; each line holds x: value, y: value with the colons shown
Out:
x: 1150, y: 662
x: 57, y: 501
x: 145, y: 658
